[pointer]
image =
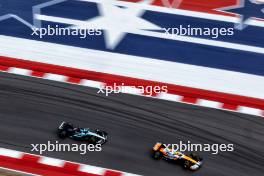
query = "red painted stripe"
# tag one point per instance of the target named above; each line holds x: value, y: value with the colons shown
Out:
x: 192, y: 100
x: 71, y: 166
x: 30, y: 158
x: 4, y: 68
x: 230, y: 106
x: 73, y: 80
x: 37, y: 74
x: 111, y: 79
x: 112, y: 173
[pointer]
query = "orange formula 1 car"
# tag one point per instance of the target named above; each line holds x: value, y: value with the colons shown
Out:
x: 192, y: 161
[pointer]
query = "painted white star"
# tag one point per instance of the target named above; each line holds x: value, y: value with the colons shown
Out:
x: 117, y: 22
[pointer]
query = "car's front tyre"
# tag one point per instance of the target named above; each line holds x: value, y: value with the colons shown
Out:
x: 104, y: 135
x: 157, y: 155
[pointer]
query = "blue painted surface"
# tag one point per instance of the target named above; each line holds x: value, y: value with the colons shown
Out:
x: 183, y: 52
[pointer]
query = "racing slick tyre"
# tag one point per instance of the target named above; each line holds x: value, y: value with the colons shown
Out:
x: 196, y: 157
x: 93, y: 140
x: 157, y: 155
x: 186, y: 164
x: 62, y: 134
x: 103, y: 134
x: 96, y: 140
x: 64, y: 129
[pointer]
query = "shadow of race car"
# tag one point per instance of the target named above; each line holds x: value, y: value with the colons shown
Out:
x: 191, y: 161
x: 81, y: 134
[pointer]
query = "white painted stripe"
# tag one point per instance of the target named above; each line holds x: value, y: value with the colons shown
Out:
x: 133, y: 66
x: 92, y: 169
x: 90, y: 83
x: 208, y: 103
x: 55, y: 77
x: 10, y: 153
x: 51, y: 161
x: 170, y: 97
x: 19, y: 71
x: 247, y: 110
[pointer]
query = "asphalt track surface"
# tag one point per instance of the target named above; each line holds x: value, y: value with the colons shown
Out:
x: 31, y: 109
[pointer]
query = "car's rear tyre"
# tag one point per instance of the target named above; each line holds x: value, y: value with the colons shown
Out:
x: 187, y: 164
x: 62, y: 134
x: 93, y: 140
x: 157, y: 155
